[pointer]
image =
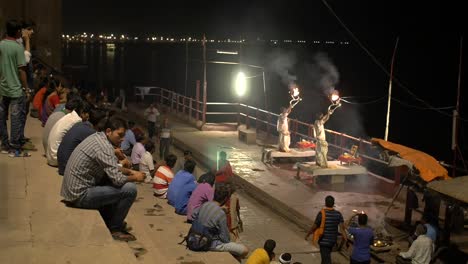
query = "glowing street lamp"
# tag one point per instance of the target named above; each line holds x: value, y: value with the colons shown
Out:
x: 241, y: 84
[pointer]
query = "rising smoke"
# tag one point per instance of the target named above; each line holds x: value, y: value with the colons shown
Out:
x: 323, y: 73
x: 282, y: 63
x: 317, y: 76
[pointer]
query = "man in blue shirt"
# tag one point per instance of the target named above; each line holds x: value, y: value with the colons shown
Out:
x: 363, y: 238
x: 333, y: 219
x: 181, y: 188
x: 79, y: 132
x: 129, y: 139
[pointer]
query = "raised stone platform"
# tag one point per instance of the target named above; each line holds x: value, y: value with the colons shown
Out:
x: 269, y: 155
x: 248, y: 136
x: 337, y: 171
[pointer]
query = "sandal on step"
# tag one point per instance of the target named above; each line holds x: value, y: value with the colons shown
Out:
x: 123, y: 236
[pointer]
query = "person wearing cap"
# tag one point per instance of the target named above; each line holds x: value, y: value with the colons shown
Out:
x: 263, y: 255
x: 326, y: 224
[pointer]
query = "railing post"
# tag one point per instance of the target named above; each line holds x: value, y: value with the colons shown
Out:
x: 171, y: 97
x: 256, y: 119
x: 336, y: 139
x: 161, y: 96
x: 197, y: 103
x: 177, y: 103
x: 342, y: 143
x: 268, y: 129
x: 238, y: 114
x: 247, y: 119
x: 296, y: 126
x: 183, y: 105
x: 190, y: 108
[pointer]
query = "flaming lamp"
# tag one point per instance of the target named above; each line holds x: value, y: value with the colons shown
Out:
x: 335, y: 101
x: 295, y: 98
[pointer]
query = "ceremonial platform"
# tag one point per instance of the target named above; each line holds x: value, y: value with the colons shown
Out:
x: 269, y: 154
x: 335, y: 170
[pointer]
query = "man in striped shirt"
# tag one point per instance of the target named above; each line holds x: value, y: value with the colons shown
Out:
x: 94, y: 180
x: 333, y: 219
x: 213, y: 218
x: 163, y: 177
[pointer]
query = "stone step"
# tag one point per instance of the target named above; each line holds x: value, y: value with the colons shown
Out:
x: 36, y: 227
x: 159, y: 230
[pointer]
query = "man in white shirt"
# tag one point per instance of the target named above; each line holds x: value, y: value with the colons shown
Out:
x: 147, y: 162
x: 61, y: 128
x: 420, y: 251
x: 152, y: 115
x: 164, y: 139
x: 321, y: 144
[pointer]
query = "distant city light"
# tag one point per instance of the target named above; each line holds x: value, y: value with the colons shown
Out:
x: 110, y: 37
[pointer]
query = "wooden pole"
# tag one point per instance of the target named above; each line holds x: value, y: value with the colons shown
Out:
x: 390, y: 91
x: 186, y: 66
x: 204, y: 79
x: 455, y: 114
x: 197, y: 101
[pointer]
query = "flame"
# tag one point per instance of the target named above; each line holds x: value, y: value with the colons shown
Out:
x: 295, y: 92
x: 335, y: 96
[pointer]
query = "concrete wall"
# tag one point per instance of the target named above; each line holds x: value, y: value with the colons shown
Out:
x: 48, y: 17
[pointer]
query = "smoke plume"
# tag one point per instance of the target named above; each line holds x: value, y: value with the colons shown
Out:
x: 323, y: 74
x: 282, y: 63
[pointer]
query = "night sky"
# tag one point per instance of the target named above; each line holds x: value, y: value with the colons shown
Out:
x: 277, y: 18
x: 427, y: 57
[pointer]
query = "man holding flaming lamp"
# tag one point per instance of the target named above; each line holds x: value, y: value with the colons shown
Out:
x: 319, y: 130
x: 282, y: 125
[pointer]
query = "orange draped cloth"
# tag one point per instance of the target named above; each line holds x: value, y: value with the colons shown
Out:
x: 428, y: 167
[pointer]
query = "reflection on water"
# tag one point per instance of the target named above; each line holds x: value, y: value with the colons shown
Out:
x: 110, y: 58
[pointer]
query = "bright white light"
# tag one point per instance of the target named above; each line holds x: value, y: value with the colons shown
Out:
x: 227, y: 52
x: 241, y: 84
